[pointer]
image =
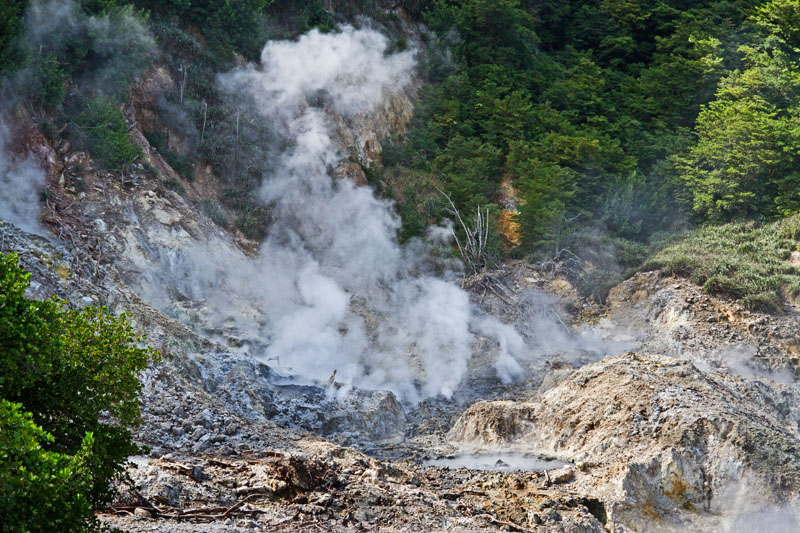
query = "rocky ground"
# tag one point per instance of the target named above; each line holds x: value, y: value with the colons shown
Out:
x: 650, y: 442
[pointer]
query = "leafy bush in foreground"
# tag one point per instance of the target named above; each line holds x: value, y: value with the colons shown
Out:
x: 40, y: 490
x: 76, y: 373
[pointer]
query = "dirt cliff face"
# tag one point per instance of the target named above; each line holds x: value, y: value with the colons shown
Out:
x: 654, y: 437
x: 672, y: 316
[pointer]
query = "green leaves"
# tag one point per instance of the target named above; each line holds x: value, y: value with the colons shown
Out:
x: 11, y: 29
x: 546, y: 189
x: 41, y: 490
x: 743, y: 163
x: 737, y: 151
x: 746, y: 261
x: 104, y: 130
x: 68, y: 368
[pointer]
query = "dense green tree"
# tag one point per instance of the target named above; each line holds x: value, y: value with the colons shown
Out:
x: 11, y: 29
x: 468, y: 170
x: 76, y: 372
x: 745, y: 159
x: 492, y: 32
x: 546, y: 189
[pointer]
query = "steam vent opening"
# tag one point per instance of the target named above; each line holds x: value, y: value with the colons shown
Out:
x: 400, y: 266
x: 497, y: 462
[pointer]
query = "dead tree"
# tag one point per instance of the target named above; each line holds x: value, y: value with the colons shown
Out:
x: 474, y: 248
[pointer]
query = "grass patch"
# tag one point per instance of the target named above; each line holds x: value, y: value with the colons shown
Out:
x: 745, y: 261
x: 174, y: 185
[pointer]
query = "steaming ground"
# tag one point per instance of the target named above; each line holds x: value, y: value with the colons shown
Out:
x: 21, y: 182
x: 331, y: 289
x: 643, y: 437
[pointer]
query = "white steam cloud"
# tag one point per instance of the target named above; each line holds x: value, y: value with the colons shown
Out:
x: 748, y: 507
x: 351, y: 303
x: 20, y: 184
x: 331, y: 289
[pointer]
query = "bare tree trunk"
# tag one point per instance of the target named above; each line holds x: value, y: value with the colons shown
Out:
x: 473, y: 250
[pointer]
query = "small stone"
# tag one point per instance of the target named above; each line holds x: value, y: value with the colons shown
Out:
x: 225, y: 450
x: 363, y: 516
x: 324, y: 499
x: 141, y: 513
x: 277, y: 486
x: 564, y: 475
x: 371, y: 475
x: 308, y: 508
x: 197, y: 473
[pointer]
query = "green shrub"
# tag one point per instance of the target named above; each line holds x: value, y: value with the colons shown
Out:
x: 238, y: 25
x: 181, y: 164
x: 103, y: 131
x: 69, y: 368
x: 41, y: 490
x: 767, y: 302
x: 253, y: 222
x: 49, y: 82
x: 721, y: 284
x: 174, y: 185
x: 11, y: 28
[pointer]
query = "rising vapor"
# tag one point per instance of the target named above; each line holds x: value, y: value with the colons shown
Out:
x: 340, y: 240
x: 332, y: 289
x: 21, y: 181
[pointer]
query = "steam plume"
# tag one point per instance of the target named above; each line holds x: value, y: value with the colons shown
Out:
x: 20, y: 183
x: 331, y: 288
x: 339, y: 241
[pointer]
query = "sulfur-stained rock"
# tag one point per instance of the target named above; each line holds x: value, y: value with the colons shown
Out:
x: 658, y: 433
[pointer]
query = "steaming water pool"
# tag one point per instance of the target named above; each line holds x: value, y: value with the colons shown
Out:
x: 496, y: 462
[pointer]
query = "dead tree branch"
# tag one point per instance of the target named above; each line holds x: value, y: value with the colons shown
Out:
x: 474, y: 248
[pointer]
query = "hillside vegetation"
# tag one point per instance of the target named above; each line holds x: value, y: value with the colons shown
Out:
x: 618, y: 118
x: 758, y: 264
x: 592, y: 131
